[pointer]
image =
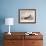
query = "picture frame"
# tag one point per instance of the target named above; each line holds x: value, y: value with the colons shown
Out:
x: 27, y: 15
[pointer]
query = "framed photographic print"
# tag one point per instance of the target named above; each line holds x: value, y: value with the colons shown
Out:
x: 27, y: 15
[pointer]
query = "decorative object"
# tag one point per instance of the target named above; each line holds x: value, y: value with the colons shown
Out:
x: 27, y: 15
x: 30, y: 33
x: 9, y: 21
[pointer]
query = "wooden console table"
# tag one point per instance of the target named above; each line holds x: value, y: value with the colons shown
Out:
x: 20, y: 39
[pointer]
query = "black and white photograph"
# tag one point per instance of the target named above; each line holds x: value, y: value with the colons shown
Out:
x: 27, y: 15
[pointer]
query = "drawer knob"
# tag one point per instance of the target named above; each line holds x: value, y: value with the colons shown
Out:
x: 33, y: 42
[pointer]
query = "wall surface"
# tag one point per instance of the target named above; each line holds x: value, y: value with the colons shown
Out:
x: 9, y: 8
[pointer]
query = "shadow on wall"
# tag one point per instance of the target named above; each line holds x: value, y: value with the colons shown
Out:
x: 2, y: 21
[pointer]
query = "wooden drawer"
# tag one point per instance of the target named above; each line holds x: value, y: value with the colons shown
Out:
x: 9, y: 42
x: 33, y: 43
x: 34, y: 37
x: 37, y: 43
x: 16, y: 37
x: 13, y: 42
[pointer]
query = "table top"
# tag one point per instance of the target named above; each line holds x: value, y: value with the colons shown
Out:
x: 22, y: 35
